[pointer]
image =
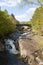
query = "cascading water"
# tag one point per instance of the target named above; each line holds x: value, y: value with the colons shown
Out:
x: 10, y: 47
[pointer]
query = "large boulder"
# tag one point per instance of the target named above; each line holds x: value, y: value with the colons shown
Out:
x: 27, y: 48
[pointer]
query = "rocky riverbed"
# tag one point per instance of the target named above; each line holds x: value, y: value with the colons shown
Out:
x: 7, y: 58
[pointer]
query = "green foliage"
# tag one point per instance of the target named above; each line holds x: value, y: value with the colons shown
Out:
x: 28, y: 22
x: 6, y: 11
x: 40, y: 2
x: 37, y: 21
x: 28, y: 2
x: 7, y: 23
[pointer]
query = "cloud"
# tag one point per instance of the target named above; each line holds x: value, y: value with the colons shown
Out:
x: 30, y: 10
x: 9, y: 3
x: 27, y: 15
x: 21, y: 17
x: 2, y: 3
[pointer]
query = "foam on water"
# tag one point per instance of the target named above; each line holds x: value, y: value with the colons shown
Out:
x: 10, y: 46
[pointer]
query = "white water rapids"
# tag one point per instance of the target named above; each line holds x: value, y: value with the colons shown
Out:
x: 10, y: 46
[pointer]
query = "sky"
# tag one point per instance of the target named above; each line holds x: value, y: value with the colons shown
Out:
x: 21, y: 12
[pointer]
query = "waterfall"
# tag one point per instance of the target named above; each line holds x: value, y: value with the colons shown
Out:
x: 9, y: 43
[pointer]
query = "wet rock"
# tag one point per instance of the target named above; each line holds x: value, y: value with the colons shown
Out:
x: 1, y: 46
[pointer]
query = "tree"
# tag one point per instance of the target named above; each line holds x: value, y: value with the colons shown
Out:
x: 36, y: 2
x: 6, y: 11
x: 13, y: 18
x: 37, y: 20
x: 40, y: 2
x: 7, y: 23
x: 0, y: 7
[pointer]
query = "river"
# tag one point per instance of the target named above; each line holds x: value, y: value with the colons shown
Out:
x: 12, y: 59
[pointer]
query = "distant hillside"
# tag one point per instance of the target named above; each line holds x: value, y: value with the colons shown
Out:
x: 27, y: 22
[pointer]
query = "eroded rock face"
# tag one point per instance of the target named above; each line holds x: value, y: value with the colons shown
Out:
x: 1, y: 46
x: 27, y: 48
